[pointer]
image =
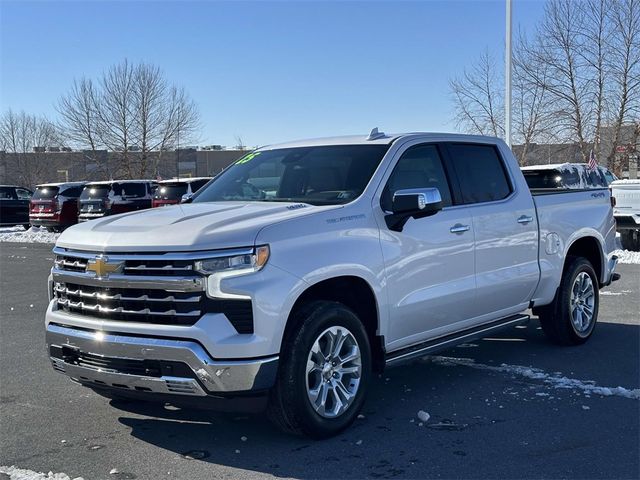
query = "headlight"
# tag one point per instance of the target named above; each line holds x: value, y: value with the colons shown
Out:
x: 238, y: 264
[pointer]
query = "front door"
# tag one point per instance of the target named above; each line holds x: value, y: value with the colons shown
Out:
x: 429, y: 265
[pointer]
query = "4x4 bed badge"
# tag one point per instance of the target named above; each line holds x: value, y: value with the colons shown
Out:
x: 102, y: 268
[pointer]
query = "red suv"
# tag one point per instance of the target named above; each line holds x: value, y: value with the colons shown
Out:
x: 171, y: 192
x: 99, y: 199
x: 55, y: 205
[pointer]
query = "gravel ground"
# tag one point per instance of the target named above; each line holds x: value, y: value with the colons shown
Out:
x: 512, y: 406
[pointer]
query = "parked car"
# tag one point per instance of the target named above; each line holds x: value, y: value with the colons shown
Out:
x: 305, y: 268
x: 99, y: 199
x: 627, y: 212
x: 14, y: 205
x: 567, y: 175
x: 55, y: 205
x: 171, y: 192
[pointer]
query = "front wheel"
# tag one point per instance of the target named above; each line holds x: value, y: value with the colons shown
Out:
x: 571, y: 318
x: 324, y: 371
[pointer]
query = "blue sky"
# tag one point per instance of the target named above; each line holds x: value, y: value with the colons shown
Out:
x: 265, y: 71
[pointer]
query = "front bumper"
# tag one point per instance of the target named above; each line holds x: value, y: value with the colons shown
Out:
x: 165, y: 366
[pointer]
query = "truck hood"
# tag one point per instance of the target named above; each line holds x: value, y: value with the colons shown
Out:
x: 186, y: 227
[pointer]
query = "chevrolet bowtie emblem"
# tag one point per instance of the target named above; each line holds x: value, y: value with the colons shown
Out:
x: 102, y: 267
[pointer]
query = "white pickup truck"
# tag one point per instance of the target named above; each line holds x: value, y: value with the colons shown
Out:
x: 302, y: 269
x: 627, y: 212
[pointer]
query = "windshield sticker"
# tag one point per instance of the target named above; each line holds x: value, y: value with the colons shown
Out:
x: 248, y: 158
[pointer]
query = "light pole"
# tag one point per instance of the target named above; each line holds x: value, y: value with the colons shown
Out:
x: 507, y: 78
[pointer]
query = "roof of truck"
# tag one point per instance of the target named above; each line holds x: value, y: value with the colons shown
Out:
x: 382, y: 138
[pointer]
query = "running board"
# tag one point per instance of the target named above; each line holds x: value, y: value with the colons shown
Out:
x: 448, y: 341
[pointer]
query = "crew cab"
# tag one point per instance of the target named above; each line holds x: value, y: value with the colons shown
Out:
x: 171, y: 192
x: 55, y: 205
x: 14, y: 206
x: 306, y: 267
x: 99, y: 199
x: 627, y: 212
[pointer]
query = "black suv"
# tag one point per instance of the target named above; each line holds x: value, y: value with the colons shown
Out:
x: 14, y: 205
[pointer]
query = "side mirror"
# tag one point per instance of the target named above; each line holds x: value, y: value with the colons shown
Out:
x: 186, y: 198
x: 416, y: 203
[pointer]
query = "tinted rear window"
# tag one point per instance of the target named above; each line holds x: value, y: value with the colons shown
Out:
x: 7, y: 193
x: 130, y: 190
x: 481, y: 172
x: 95, y: 191
x: 170, y: 191
x: 45, y: 193
x: 543, y: 179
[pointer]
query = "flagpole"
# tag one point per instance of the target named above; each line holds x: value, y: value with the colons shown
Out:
x: 507, y: 77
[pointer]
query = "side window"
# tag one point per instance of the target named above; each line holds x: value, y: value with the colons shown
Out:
x: 482, y: 175
x: 419, y: 167
x: 23, y: 194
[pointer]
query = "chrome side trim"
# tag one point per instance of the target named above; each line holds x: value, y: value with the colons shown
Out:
x: 169, y: 283
x: 158, y: 256
x: 215, y: 375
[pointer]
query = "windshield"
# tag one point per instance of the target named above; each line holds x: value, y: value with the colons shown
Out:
x: 45, y: 193
x: 170, y: 191
x: 323, y: 175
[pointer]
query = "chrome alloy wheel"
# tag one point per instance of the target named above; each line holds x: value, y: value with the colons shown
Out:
x: 582, y: 303
x: 334, y: 369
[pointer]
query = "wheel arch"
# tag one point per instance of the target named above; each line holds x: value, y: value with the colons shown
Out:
x: 357, y: 294
x: 588, y: 247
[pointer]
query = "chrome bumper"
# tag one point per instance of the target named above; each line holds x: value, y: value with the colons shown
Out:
x: 210, y: 377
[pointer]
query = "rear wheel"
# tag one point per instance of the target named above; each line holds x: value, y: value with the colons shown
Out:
x: 324, y: 372
x: 630, y: 240
x: 571, y: 318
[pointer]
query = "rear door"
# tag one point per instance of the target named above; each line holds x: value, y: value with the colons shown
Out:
x: 505, y: 228
x: 429, y: 265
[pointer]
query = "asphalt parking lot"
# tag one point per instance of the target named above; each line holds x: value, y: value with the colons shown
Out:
x: 513, y: 406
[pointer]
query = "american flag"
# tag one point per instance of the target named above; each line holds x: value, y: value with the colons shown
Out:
x: 593, y: 164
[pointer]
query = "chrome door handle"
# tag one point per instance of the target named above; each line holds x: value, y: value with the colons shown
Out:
x: 525, y: 219
x: 459, y: 228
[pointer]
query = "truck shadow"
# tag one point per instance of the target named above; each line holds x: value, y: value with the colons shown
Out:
x: 390, y: 440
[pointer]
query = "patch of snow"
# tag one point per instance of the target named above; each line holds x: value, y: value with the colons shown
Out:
x: 114, y: 471
x: 628, y: 257
x: 16, y: 473
x: 555, y: 381
x: 584, y: 407
x: 33, y: 235
x: 610, y: 293
x: 244, y: 439
x: 359, y: 442
x: 423, y: 416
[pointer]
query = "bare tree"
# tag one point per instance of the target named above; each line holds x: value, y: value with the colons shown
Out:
x: 78, y: 111
x: 478, y: 99
x: 131, y: 110
x: 26, y: 137
x: 625, y: 66
x: 578, y: 81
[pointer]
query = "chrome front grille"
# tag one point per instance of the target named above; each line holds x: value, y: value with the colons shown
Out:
x: 148, y: 288
x: 137, y: 305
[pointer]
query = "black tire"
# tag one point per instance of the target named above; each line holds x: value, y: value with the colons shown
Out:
x: 556, y: 318
x: 289, y: 407
x: 630, y: 240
